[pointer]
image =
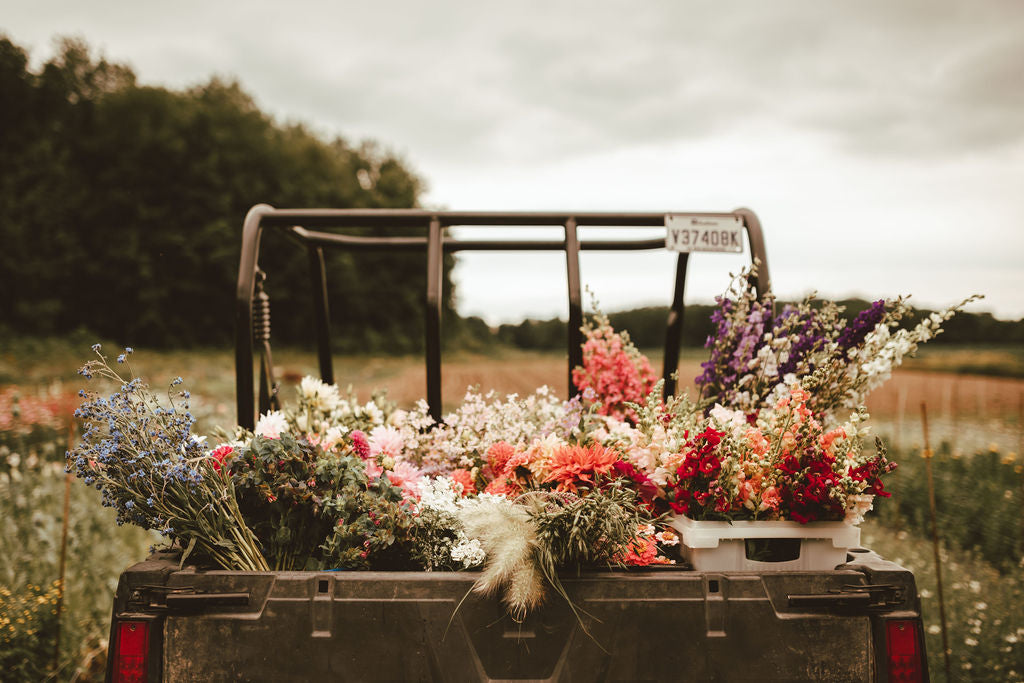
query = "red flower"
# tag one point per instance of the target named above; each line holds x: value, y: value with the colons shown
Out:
x: 648, y: 489
x: 219, y: 454
x: 710, y: 465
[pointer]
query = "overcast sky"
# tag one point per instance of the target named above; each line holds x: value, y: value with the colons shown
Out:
x: 880, y: 143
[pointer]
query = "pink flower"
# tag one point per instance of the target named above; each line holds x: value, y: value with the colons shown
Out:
x: 386, y: 441
x: 373, y: 470
x: 770, y: 499
x: 405, y: 476
x: 360, y: 445
x: 614, y: 370
x: 498, y: 454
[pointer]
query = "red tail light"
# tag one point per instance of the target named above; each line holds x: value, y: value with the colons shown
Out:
x: 132, y: 652
x: 904, y: 645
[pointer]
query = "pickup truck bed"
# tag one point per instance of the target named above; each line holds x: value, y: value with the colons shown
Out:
x: 660, y: 624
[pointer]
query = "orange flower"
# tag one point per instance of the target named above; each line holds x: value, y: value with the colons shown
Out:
x: 502, y: 486
x: 572, y: 466
x: 498, y: 454
x: 465, y: 478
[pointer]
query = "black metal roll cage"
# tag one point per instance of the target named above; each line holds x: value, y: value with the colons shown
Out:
x: 306, y: 226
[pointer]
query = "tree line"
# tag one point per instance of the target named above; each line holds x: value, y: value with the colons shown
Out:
x: 121, y: 208
x: 646, y: 327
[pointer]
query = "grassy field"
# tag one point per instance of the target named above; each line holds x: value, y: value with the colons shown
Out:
x: 983, y: 574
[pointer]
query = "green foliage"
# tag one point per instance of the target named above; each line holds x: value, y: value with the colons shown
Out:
x: 586, y: 530
x: 978, y: 503
x: 375, y: 529
x: 314, y: 510
x: 28, y: 624
x: 123, y: 206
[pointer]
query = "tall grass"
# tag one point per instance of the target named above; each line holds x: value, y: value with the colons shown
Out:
x: 32, y: 486
x: 979, y: 501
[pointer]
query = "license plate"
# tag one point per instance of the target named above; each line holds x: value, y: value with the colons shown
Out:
x: 690, y: 233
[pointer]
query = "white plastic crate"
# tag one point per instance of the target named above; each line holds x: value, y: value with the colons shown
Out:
x: 721, y: 546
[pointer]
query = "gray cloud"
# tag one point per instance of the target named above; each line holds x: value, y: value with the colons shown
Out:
x: 527, y: 80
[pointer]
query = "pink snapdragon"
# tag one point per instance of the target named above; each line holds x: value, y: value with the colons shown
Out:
x: 613, y: 369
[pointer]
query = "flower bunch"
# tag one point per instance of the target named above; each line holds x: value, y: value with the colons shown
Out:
x: 463, y: 437
x: 441, y: 539
x: 758, y: 354
x: 322, y: 415
x: 156, y: 474
x: 782, y: 465
x: 614, y: 372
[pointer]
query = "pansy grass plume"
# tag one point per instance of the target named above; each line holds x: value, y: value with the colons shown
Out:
x: 144, y: 459
x: 758, y: 353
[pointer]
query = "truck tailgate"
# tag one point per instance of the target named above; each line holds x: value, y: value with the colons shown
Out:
x: 666, y: 624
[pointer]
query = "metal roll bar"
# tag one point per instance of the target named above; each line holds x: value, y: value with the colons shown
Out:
x: 307, y: 227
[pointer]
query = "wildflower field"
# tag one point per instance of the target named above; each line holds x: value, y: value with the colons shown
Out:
x: 978, y: 475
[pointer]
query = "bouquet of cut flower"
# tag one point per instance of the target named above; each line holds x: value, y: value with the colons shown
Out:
x: 758, y: 354
x: 519, y: 488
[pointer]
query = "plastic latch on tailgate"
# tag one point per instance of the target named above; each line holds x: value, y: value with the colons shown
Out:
x: 183, y: 599
x: 870, y: 597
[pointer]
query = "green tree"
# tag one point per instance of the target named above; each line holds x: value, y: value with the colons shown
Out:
x: 122, y: 208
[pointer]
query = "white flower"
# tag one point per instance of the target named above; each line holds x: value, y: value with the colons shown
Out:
x: 320, y: 395
x: 469, y: 552
x: 857, y: 506
x: 373, y: 413
x: 934, y: 629
x: 332, y: 436
x: 731, y: 420
x: 975, y: 586
x: 271, y: 425
x: 971, y: 641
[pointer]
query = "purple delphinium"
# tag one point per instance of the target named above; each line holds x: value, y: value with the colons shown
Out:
x: 739, y: 335
x: 807, y: 336
x: 853, y: 335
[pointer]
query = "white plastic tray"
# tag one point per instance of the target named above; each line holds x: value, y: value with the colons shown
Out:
x: 721, y: 546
